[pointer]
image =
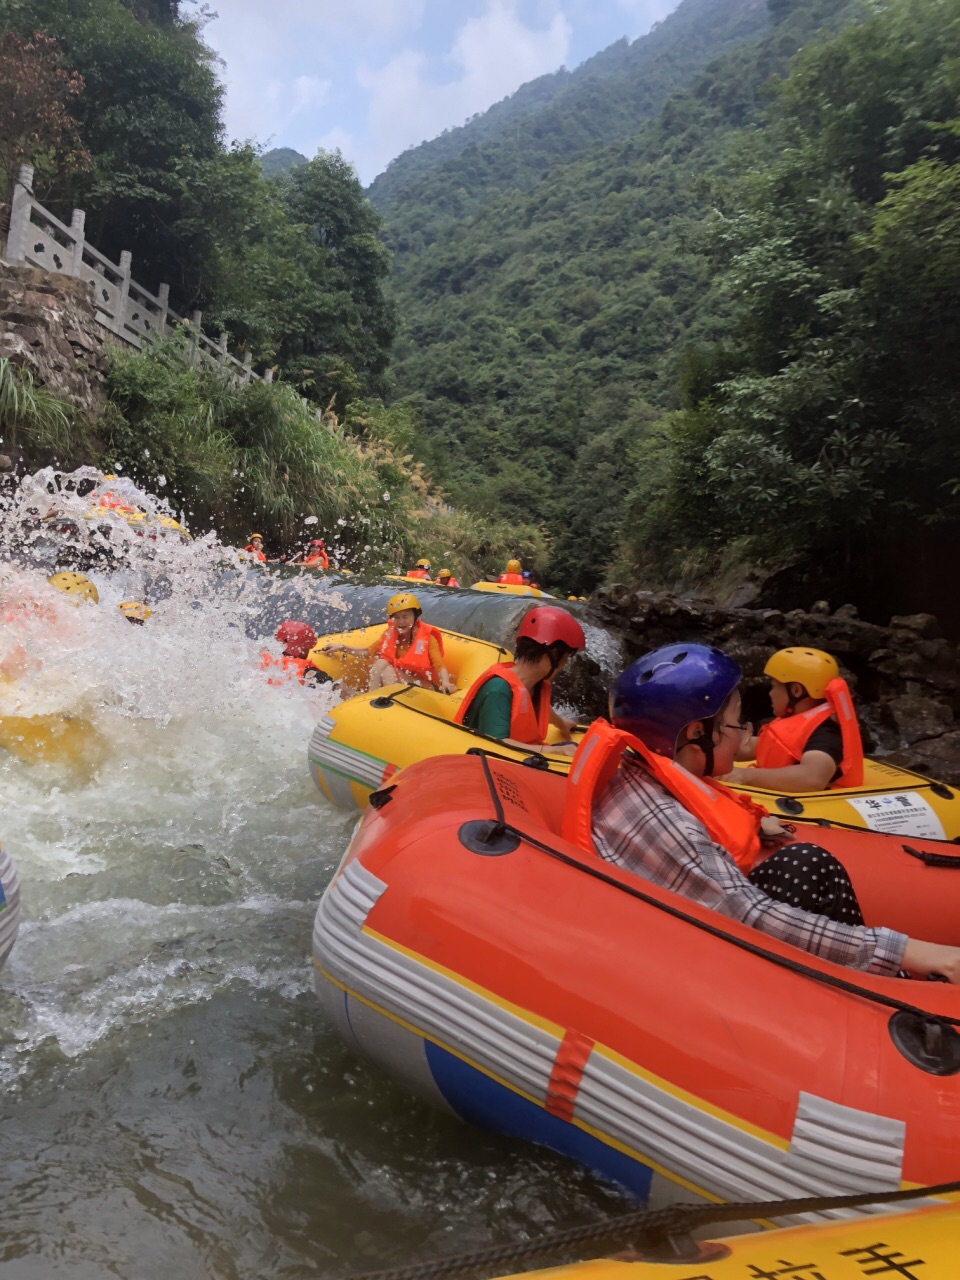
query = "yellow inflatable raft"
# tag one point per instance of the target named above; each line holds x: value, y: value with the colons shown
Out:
x: 67, y: 741
x: 358, y: 746
x: 891, y: 800
x: 510, y: 589
x: 922, y: 1244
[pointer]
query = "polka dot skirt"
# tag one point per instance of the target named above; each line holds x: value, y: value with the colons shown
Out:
x: 806, y: 876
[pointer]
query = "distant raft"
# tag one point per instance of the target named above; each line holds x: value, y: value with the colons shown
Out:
x: 9, y: 904
x: 510, y: 589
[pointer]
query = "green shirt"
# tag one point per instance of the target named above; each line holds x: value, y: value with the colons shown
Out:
x: 489, y: 712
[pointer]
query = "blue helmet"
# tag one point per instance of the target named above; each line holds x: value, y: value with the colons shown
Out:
x: 664, y: 691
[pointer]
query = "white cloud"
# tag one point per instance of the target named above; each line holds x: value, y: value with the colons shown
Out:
x: 492, y: 56
x: 260, y: 42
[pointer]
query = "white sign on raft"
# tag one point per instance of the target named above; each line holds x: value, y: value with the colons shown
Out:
x: 902, y: 813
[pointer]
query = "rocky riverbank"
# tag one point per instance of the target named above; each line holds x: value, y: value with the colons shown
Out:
x: 905, y: 676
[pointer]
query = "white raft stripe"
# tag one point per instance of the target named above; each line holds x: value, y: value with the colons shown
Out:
x: 356, y: 765
x: 501, y: 1043
x: 834, y: 1149
x: 10, y: 909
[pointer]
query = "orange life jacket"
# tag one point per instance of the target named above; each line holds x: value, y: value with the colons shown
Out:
x: 450, y: 582
x: 416, y: 657
x: 732, y: 821
x: 288, y: 666
x: 321, y: 558
x: 254, y: 552
x: 418, y: 573
x: 526, y: 723
x: 782, y: 742
x: 514, y: 579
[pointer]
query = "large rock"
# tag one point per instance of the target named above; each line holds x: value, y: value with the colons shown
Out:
x: 48, y: 327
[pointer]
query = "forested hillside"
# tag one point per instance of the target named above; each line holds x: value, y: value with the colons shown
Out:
x: 696, y: 344
x: 556, y: 117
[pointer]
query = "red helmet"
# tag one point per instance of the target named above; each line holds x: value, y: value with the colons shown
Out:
x: 549, y: 625
x: 296, y: 637
x: 318, y: 542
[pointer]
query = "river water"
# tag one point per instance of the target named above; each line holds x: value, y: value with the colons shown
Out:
x: 171, y: 1101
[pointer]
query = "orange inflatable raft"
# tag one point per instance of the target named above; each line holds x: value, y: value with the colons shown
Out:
x: 533, y: 989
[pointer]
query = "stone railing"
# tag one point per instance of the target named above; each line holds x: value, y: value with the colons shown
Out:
x: 37, y: 238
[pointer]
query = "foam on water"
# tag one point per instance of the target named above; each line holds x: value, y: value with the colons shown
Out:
x: 190, y: 835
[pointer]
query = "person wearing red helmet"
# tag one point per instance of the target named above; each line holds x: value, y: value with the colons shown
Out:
x: 297, y: 640
x: 316, y: 556
x: 511, y: 701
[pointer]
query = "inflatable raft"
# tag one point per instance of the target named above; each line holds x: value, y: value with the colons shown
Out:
x: 891, y: 800
x: 510, y: 589
x: 531, y: 988
x: 358, y: 746
x: 923, y: 1244
x: 9, y: 904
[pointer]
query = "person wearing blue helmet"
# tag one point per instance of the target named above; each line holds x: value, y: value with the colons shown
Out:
x: 661, y: 816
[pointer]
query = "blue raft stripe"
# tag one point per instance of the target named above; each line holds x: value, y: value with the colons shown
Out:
x: 489, y: 1105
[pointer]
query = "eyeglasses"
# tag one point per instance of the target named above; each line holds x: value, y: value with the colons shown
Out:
x: 741, y: 727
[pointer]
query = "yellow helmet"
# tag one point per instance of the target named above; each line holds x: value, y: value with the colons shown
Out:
x: 134, y: 611
x: 573, y: 597
x: 75, y: 584
x: 513, y: 566
x: 255, y: 535
x: 423, y: 564
x: 445, y: 573
x: 812, y: 668
x: 396, y: 604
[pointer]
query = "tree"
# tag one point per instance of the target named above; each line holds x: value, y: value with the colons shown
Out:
x: 36, y: 94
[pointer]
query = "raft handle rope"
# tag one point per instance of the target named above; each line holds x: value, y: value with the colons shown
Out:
x: 931, y: 859
x: 677, y: 913
x: 665, y: 1231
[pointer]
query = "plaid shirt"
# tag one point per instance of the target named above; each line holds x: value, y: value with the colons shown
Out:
x: 639, y: 826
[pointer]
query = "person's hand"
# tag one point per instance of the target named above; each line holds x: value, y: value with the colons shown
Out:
x: 925, y: 958
x: 333, y: 648
x: 559, y: 748
x: 448, y: 686
x: 771, y: 827
x: 735, y: 776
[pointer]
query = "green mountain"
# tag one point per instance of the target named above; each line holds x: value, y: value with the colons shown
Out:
x: 280, y: 160
x: 549, y: 272
x: 558, y: 116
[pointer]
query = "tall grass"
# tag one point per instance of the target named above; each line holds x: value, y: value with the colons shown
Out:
x: 255, y: 456
x: 35, y: 420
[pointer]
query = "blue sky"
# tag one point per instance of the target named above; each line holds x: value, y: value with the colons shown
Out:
x: 374, y: 77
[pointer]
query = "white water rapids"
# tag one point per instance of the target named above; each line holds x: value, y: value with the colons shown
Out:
x: 171, y: 1101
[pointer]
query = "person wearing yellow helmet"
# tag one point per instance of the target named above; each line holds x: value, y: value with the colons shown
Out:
x: 446, y: 579
x: 75, y: 586
x: 409, y: 651
x: 136, y: 612
x: 255, y: 547
x: 422, y: 570
x: 813, y: 741
x: 512, y: 574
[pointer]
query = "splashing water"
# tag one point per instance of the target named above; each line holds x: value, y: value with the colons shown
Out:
x: 169, y: 1094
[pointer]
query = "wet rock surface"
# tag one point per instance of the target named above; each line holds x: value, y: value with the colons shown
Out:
x: 905, y: 677
x: 48, y: 327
